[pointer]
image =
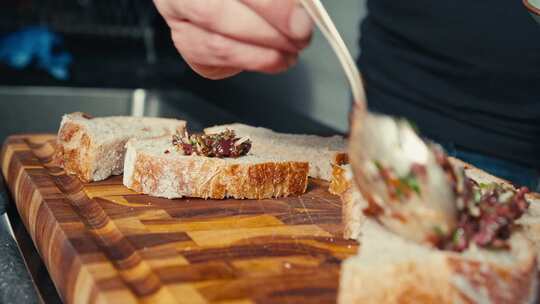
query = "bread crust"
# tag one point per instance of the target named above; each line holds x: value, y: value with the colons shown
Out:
x: 73, y: 150
x: 353, y: 205
x: 339, y: 183
x: 211, y: 178
x: 81, y: 153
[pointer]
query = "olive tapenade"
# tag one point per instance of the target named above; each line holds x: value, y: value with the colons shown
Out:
x: 486, y: 212
x: 486, y: 216
x: 220, y: 145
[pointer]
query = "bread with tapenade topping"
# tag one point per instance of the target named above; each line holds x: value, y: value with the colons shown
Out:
x: 390, y: 269
x: 159, y: 168
x: 320, y: 152
x: 530, y: 221
x: 93, y: 148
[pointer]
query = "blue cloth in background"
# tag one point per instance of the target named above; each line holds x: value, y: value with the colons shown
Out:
x: 35, y: 45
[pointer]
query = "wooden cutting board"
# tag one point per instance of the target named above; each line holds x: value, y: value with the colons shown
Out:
x: 103, y: 243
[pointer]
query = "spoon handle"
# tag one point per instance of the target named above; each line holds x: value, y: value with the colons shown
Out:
x: 325, y: 24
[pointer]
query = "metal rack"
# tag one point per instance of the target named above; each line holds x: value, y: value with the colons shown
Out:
x: 130, y: 19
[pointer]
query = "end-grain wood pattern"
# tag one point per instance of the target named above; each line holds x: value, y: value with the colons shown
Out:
x: 103, y: 243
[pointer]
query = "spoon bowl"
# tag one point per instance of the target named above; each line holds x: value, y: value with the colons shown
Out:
x: 401, y: 177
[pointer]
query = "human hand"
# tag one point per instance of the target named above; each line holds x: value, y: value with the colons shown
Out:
x: 221, y: 38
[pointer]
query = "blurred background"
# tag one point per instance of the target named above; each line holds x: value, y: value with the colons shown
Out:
x: 116, y: 58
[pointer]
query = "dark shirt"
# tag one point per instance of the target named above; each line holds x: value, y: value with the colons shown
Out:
x: 466, y: 72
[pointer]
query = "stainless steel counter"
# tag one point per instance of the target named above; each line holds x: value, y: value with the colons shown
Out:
x: 16, y: 285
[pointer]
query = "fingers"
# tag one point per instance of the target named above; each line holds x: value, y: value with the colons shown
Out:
x: 250, y: 22
x: 220, y: 38
x: 215, y: 56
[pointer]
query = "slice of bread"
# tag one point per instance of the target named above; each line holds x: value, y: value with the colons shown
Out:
x: 390, y: 269
x: 320, y: 152
x: 93, y: 148
x: 157, y: 168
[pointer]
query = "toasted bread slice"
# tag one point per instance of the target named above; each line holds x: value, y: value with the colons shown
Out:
x: 93, y: 148
x: 390, y: 269
x: 157, y: 168
x: 320, y: 152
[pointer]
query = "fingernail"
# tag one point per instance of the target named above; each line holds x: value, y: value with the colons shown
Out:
x: 300, y: 23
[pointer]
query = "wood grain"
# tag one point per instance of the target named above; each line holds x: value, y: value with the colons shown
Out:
x: 103, y: 243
